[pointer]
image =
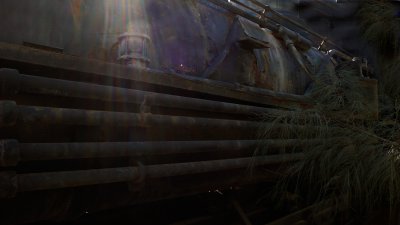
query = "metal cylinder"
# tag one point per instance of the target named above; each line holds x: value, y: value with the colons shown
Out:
x: 12, y: 152
x: 300, y: 41
x: 57, y: 180
x: 47, y: 115
x: 77, y: 117
x: 133, y: 49
x: 11, y: 83
x: 292, y: 49
x: 98, y: 70
x: 53, y: 151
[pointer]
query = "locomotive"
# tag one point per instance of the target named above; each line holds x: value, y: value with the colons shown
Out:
x: 107, y: 96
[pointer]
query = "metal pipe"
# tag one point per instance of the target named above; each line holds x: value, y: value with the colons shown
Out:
x: 97, y: 69
x: 12, y: 152
x: 267, y: 8
x: 292, y: 49
x: 340, y: 54
x: 46, y: 115
x: 12, y: 83
x: 300, y: 41
x: 52, y: 151
x: 245, y: 6
x: 57, y: 180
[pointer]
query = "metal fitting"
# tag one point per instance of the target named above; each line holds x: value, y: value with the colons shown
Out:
x: 133, y: 49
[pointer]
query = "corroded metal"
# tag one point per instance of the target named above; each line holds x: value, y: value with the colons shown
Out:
x: 78, y: 117
x: 53, y: 151
x: 57, y: 180
x: 48, y: 115
x: 117, y: 72
x: 13, y: 152
x: 299, y: 40
x: 26, y: 84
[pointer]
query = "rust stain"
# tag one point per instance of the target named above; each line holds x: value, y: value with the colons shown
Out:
x: 76, y: 6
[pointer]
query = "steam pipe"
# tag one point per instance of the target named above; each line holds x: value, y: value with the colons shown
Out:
x: 299, y: 41
x: 292, y: 49
x: 12, y: 152
x: 10, y: 113
x: 68, y: 179
x: 340, y: 54
x: 13, y: 83
x: 267, y: 8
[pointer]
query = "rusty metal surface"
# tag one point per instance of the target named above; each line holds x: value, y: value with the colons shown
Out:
x: 98, y: 68
x: 299, y: 40
x: 56, y: 180
x: 47, y: 115
x: 185, y: 36
x: 13, y: 152
x: 23, y: 116
x: 53, y: 151
x: 71, y: 132
x: 55, y: 87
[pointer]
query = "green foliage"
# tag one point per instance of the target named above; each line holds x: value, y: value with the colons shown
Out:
x: 379, y: 25
x: 356, y: 162
x: 390, y: 79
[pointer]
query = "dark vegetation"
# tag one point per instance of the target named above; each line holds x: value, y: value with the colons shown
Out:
x: 354, y: 170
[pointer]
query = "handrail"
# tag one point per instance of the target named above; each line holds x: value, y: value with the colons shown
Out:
x: 263, y: 18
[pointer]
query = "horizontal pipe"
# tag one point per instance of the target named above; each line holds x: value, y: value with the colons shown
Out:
x: 63, y: 116
x: 12, y: 152
x: 95, y: 70
x: 57, y: 180
x: 53, y: 151
x: 11, y: 113
x: 12, y: 83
